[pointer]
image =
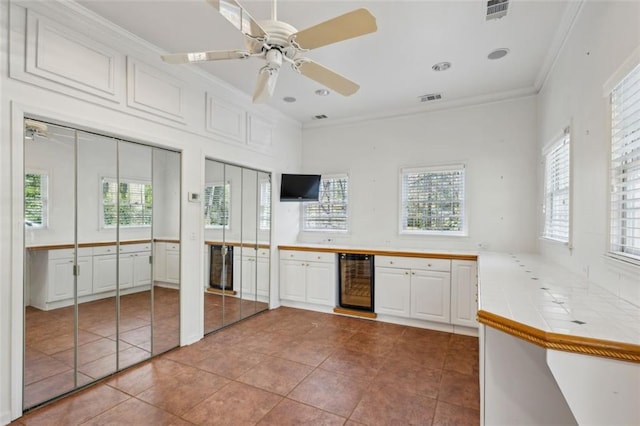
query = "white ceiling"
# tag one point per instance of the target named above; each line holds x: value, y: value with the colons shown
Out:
x: 392, y: 66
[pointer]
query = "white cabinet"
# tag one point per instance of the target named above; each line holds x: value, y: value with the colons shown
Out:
x: 60, y: 280
x: 251, y: 272
x: 464, y: 292
x: 134, y: 269
x: 413, y: 287
x: 166, y: 264
x: 308, y: 277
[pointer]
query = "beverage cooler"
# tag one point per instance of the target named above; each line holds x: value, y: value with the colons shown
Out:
x: 221, y: 268
x: 356, y: 281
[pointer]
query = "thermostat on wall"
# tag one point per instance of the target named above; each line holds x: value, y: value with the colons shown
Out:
x: 193, y: 197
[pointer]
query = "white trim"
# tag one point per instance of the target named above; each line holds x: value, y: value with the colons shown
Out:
x: 623, y: 70
x: 623, y: 264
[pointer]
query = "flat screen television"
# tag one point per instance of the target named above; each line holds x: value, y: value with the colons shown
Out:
x: 299, y: 187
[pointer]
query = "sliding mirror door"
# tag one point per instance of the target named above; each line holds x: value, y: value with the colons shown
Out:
x: 50, y: 255
x: 166, y: 243
x: 237, y: 211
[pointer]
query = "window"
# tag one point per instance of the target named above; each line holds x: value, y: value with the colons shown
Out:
x: 557, y: 189
x: 265, y: 204
x: 134, y: 198
x: 35, y: 200
x: 432, y: 200
x: 216, y: 205
x: 625, y: 167
x: 330, y: 212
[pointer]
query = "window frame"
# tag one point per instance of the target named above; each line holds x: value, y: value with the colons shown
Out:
x: 226, y: 184
x: 556, y: 142
x: 119, y: 182
x: 264, y: 204
x: 44, y: 210
x: 304, y: 205
x: 632, y: 65
x: 464, y: 232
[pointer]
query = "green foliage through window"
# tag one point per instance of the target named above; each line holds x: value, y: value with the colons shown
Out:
x: 216, y: 205
x: 330, y: 212
x: 130, y: 205
x: 35, y: 200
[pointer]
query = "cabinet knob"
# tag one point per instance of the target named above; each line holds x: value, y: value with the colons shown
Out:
x: 429, y: 265
x: 391, y: 262
x: 319, y: 257
x: 406, y: 272
x: 413, y: 273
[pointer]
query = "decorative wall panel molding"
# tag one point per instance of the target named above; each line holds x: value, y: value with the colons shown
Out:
x: 259, y: 131
x: 225, y: 119
x: 154, y: 91
x: 61, y: 55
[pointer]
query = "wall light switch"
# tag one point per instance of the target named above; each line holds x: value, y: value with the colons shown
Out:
x: 193, y: 197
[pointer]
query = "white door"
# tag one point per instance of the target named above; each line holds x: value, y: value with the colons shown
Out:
x: 61, y: 279
x: 392, y: 291
x: 430, y: 295
x: 141, y: 269
x: 104, y: 273
x: 160, y: 262
x: 126, y: 270
x: 173, y: 266
x: 464, y: 292
x: 85, y: 279
x: 262, y: 284
x: 248, y: 277
x: 321, y: 283
x: 292, y: 280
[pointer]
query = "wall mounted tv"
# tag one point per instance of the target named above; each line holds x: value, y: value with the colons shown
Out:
x: 299, y: 187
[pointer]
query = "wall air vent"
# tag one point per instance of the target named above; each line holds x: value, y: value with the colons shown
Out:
x: 319, y: 117
x: 430, y: 97
x: 496, y: 9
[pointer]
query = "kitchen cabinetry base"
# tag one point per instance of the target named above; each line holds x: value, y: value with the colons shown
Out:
x: 89, y: 298
x: 354, y: 313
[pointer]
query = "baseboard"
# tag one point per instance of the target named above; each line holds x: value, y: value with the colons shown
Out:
x: 5, y: 417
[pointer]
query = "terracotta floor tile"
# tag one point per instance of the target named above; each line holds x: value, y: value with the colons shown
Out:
x: 463, y: 362
x: 63, y: 342
x: 136, y: 412
x: 266, y: 343
x: 427, y: 355
x: 231, y: 362
x: 356, y: 364
x: 276, y: 375
x: 387, y: 406
x: 333, y: 336
x: 464, y: 343
x: 409, y: 376
x: 305, y: 351
x: 185, y: 391
x: 379, y: 328
x: 330, y: 391
x: 191, y: 354
x: 77, y: 408
x: 454, y: 415
x: 43, y: 367
x: 142, y: 377
x: 372, y: 343
x: 88, y: 352
x: 460, y: 389
x: 290, y: 413
x: 235, y: 404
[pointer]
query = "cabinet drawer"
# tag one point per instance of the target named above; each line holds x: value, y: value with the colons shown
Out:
x: 172, y: 247
x: 132, y: 248
x: 263, y: 252
x: 104, y: 250
x: 69, y: 253
x: 309, y: 256
x: 424, y: 263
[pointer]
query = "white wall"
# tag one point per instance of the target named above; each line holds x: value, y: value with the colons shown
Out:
x: 604, y: 35
x: 495, y: 141
x: 121, y: 100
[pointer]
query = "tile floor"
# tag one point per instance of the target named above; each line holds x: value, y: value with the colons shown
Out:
x: 286, y: 367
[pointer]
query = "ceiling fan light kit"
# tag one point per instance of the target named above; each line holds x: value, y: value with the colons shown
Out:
x: 277, y: 42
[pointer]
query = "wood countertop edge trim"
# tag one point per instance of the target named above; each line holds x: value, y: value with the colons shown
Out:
x: 382, y: 252
x: 84, y: 245
x: 236, y: 244
x: 562, y: 342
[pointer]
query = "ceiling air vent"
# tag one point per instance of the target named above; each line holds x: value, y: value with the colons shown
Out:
x: 430, y: 97
x: 496, y: 9
x: 319, y: 117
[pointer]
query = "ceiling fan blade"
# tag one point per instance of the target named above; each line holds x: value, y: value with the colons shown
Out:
x: 213, y: 55
x: 328, y: 78
x: 239, y: 17
x: 265, y: 85
x: 352, y: 24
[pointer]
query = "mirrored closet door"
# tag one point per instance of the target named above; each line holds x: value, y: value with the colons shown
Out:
x: 237, y: 211
x: 102, y: 218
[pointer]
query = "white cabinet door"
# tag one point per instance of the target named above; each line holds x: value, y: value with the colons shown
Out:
x: 464, y: 292
x: 173, y: 266
x: 392, y: 291
x: 262, y: 265
x: 126, y: 271
x: 85, y: 279
x: 248, y: 277
x: 141, y: 269
x: 321, y: 282
x: 430, y: 295
x: 104, y: 273
x: 160, y: 262
x: 292, y: 280
x: 60, y: 280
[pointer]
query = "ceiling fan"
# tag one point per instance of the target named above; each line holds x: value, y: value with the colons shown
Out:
x: 278, y: 42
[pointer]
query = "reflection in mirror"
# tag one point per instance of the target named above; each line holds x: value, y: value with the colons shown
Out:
x: 49, y: 235
x: 134, y: 193
x: 166, y: 243
x: 218, y: 255
x: 237, y: 211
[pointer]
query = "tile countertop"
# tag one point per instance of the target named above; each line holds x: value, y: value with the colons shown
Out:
x: 533, y: 291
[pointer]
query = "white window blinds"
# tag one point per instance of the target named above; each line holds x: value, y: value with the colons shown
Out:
x: 330, y: 212
x: 216, y: 205
x: 129, y: 203
x: 557, y: 190
x: 625, y: 166
x: 265, y: 204
x: 432, y: 200
x: 35, y: 200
